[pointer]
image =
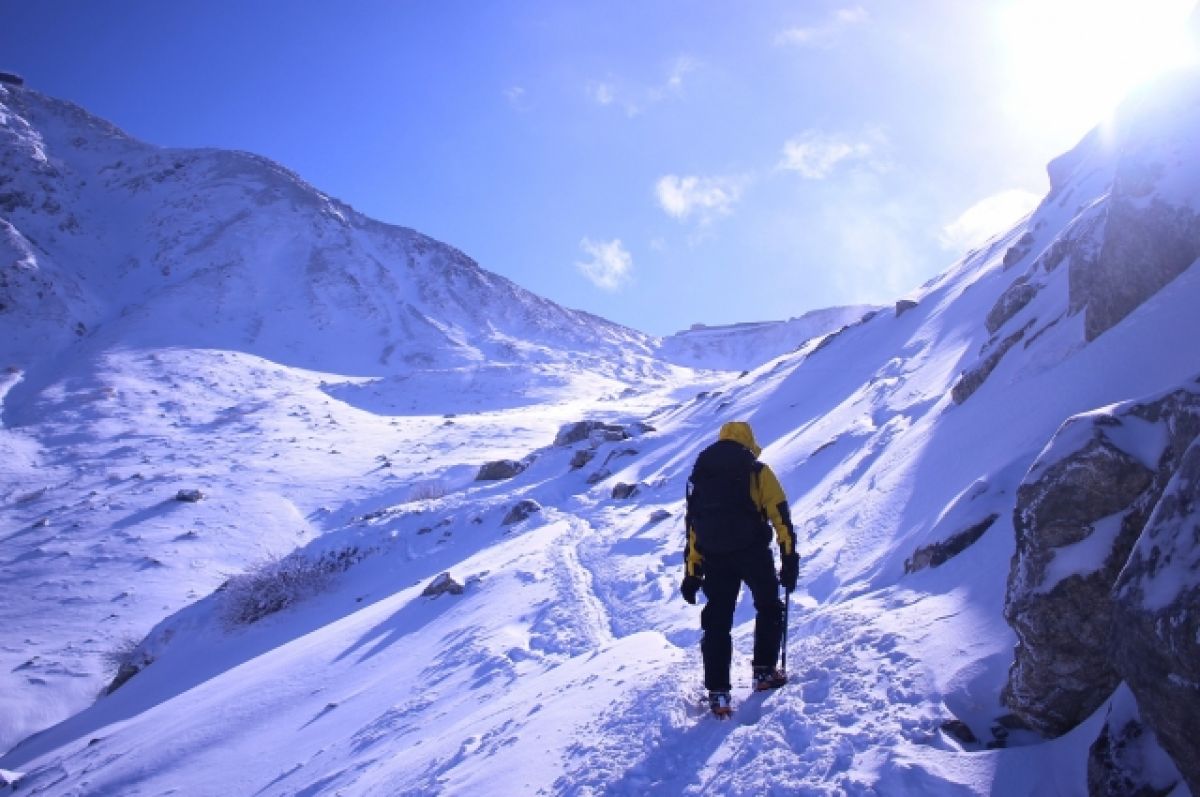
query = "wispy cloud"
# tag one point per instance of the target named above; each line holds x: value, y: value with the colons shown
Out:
x: 602, y: 93
x: 705, y: 197
x: 986, y: 218
x: 815, y: 155
x: 825, y: 34
x: 682, y: 67
x: 515, y: 96
x: 609, y: 265
x: 637, y: 99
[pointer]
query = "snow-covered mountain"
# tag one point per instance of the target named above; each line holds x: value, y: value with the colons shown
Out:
x: 737, y: 347
x: 1017, y: 438
x: 153, y: 301
x: 121, y: 242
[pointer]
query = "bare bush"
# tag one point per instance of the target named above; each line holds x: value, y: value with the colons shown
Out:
x: 277, y: 583
x: 121, y: 653
x: 427, y: 490
x: 126, y: 659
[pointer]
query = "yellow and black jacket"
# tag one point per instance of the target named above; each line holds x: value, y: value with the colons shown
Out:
x: 766, y: 495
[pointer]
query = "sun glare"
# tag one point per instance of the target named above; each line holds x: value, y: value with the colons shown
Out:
x: 1072, y: 61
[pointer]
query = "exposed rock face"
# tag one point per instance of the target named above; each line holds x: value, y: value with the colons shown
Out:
x: 939, y: 552
x: 1061, y: 673
x: 499, y: 469
x: 1145, y: 247
x: 972, y: 380
x: 1151, y: 231
x: 1157, y: 650
x: 622, y: 490
x: 521, y: 511
x: 579, y: 431
x: 903, y: 306
x: 1017, y: 252
x: 444, y: 583
x: 1079, y: 513
x: 1011, y: 302
x: 582, y: 457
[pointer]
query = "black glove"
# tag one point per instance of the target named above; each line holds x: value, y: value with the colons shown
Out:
x: 790, y: 571
x: 689, y: 588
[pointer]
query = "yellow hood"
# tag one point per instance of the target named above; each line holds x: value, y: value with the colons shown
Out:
x: 740, y: 432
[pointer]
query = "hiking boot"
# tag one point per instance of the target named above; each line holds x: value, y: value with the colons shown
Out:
x: 721, y: 703
x: 765, y: 679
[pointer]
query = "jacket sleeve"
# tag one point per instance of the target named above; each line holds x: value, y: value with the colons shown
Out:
x: 768, y: 494
x: 693, y: 562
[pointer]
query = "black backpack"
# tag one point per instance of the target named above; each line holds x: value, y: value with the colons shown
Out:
x: 719, y: 506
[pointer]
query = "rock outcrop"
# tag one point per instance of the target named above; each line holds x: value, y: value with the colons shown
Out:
x: 1145, y: 247
x: 972, y: 380
x: 1157, y: 609
x: 522, y: 510
x: 441, y: 585
x: 1104, y: 585
x: 579, y: 431
x: 500, y: 469
x: 1151, y: 231
x: 939, y: 553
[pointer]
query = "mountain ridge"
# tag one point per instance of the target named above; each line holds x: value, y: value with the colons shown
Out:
x: 907, y: 442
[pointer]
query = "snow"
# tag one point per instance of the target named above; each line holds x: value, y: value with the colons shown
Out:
x: 1169, y: 542
x: 741, y: 346
x: 1144, y: 440
x: 1086, y: 556
x: 340, y: 396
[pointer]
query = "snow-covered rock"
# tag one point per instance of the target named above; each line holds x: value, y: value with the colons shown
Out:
x: 1126, y: 759
x: 1156, y: 644
x: 1151, y: 232
x: 499, y: 469
x: 1101, y: 483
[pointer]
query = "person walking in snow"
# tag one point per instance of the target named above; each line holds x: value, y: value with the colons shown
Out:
x: 733, y: 501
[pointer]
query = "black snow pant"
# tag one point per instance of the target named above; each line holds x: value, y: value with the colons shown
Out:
x: 723, y: 577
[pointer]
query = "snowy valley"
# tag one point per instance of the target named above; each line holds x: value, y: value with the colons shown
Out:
x: 987, y: 478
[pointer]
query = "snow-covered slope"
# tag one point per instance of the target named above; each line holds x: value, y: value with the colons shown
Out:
x: 738, y: 347
x: 120, y: 242
x: 156, y: 303
x: 568, y: 664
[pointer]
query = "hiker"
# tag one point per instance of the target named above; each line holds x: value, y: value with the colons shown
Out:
x: 733, y: 500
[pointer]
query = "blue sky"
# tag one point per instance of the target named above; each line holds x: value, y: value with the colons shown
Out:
x: 658, y: 163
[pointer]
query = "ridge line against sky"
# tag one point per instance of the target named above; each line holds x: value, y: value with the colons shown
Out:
x: 658, y: 164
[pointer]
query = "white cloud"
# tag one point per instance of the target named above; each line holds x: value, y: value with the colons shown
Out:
x: 851, y: 16
x: 514, y: 95
x: 826, y: 34
x: 637, y: 99
x: 683, y: 66
x: 610, y: 264
x: 815, y: 155
x: 602, y: 93
x: 987, y: 218
x: 707, y: 196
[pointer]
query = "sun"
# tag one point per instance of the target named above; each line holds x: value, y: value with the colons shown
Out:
x: 1072, y: 61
